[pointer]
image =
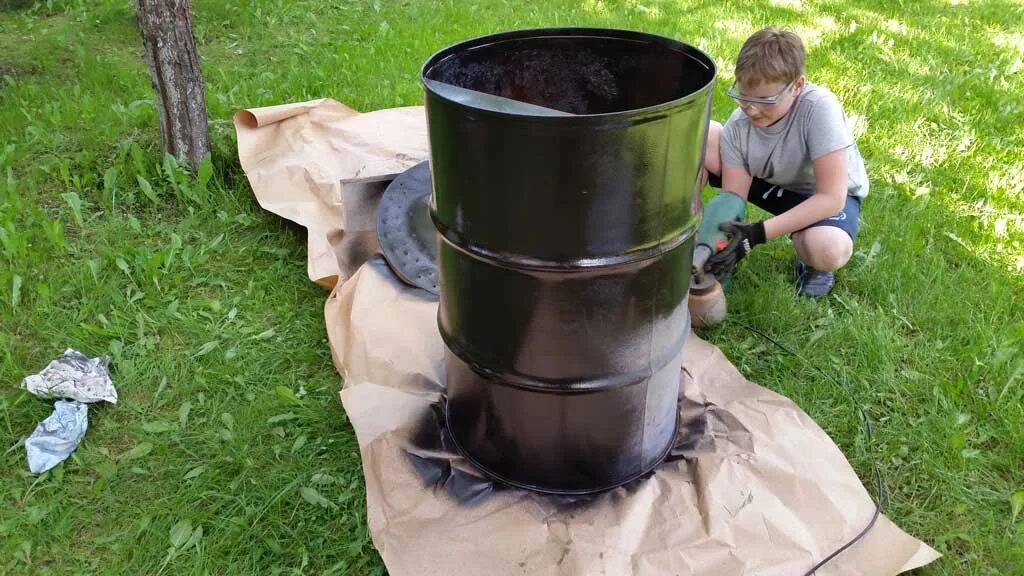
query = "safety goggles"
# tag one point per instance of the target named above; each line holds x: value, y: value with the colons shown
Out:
x: 735, y: 94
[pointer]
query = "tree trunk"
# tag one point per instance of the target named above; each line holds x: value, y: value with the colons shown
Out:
x: 166, y: 27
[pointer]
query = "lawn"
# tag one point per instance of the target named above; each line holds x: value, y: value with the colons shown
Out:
x: 229, y: 453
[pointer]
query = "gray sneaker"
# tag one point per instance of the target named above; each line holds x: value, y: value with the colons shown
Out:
x: 813, y: 283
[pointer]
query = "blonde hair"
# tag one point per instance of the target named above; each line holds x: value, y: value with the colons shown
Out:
x: 770, y: 55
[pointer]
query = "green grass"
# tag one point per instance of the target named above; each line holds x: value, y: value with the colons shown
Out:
x: 229, y: 452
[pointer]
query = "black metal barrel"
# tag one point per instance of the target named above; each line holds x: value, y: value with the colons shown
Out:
x: 566, y: 237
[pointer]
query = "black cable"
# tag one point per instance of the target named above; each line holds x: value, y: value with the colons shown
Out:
x: 866, y: 422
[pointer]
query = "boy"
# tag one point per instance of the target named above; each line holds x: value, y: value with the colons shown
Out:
x: 786, y: 149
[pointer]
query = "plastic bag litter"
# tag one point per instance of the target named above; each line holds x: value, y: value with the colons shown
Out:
x: 56, y: 437
x: 76, y: 381
x: 76, y: 377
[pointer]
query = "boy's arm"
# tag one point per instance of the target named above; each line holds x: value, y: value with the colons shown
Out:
x: 828, y: 139
x: 730, y: 203
x: 736, y: 185
x: 736, y: 179
x: 829, y: 197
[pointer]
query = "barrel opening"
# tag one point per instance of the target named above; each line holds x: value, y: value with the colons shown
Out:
x: 590, y: 73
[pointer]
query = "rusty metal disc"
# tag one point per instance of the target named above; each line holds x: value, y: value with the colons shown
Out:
x: 406, y: 234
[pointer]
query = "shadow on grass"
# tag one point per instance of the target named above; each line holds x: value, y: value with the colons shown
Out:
x: 15, y: 5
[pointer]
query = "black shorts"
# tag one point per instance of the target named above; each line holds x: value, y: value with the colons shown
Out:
x: 776, y: 200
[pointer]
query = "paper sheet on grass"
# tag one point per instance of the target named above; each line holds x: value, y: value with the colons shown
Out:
x: 753, y: 486
x: 312, y: 162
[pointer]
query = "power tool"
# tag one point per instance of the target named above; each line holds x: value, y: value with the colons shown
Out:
x: 707, y: 298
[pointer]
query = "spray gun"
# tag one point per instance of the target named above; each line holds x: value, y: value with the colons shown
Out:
x: 707, y: 299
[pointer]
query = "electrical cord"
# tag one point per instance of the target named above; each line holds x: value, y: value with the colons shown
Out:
x: 866, y: 423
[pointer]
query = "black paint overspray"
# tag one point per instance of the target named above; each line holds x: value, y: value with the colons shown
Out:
x: 565, y: 247
x: 431, y: 454
x: 702, y: 429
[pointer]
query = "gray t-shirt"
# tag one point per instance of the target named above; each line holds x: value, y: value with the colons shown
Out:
x: 783, y: 153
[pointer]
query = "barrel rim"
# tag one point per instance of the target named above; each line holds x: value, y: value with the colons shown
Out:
x: 580, y: 32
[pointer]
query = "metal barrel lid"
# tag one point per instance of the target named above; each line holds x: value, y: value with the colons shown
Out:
x: 406, y: 234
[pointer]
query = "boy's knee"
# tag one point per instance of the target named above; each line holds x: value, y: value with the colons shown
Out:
x: 824, y: 248
x: 712, y: 150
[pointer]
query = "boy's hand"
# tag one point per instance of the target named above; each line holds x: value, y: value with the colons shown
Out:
x: 742, y: 239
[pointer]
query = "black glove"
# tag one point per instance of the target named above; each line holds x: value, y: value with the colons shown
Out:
x: 742, y: 239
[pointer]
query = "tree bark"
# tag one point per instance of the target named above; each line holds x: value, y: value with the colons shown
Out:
x: 166, y: 27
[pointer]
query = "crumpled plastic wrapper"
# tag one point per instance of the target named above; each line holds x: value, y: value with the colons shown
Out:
x: 76, y: 377
x: 55, y: 438
x: 76, y: 381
